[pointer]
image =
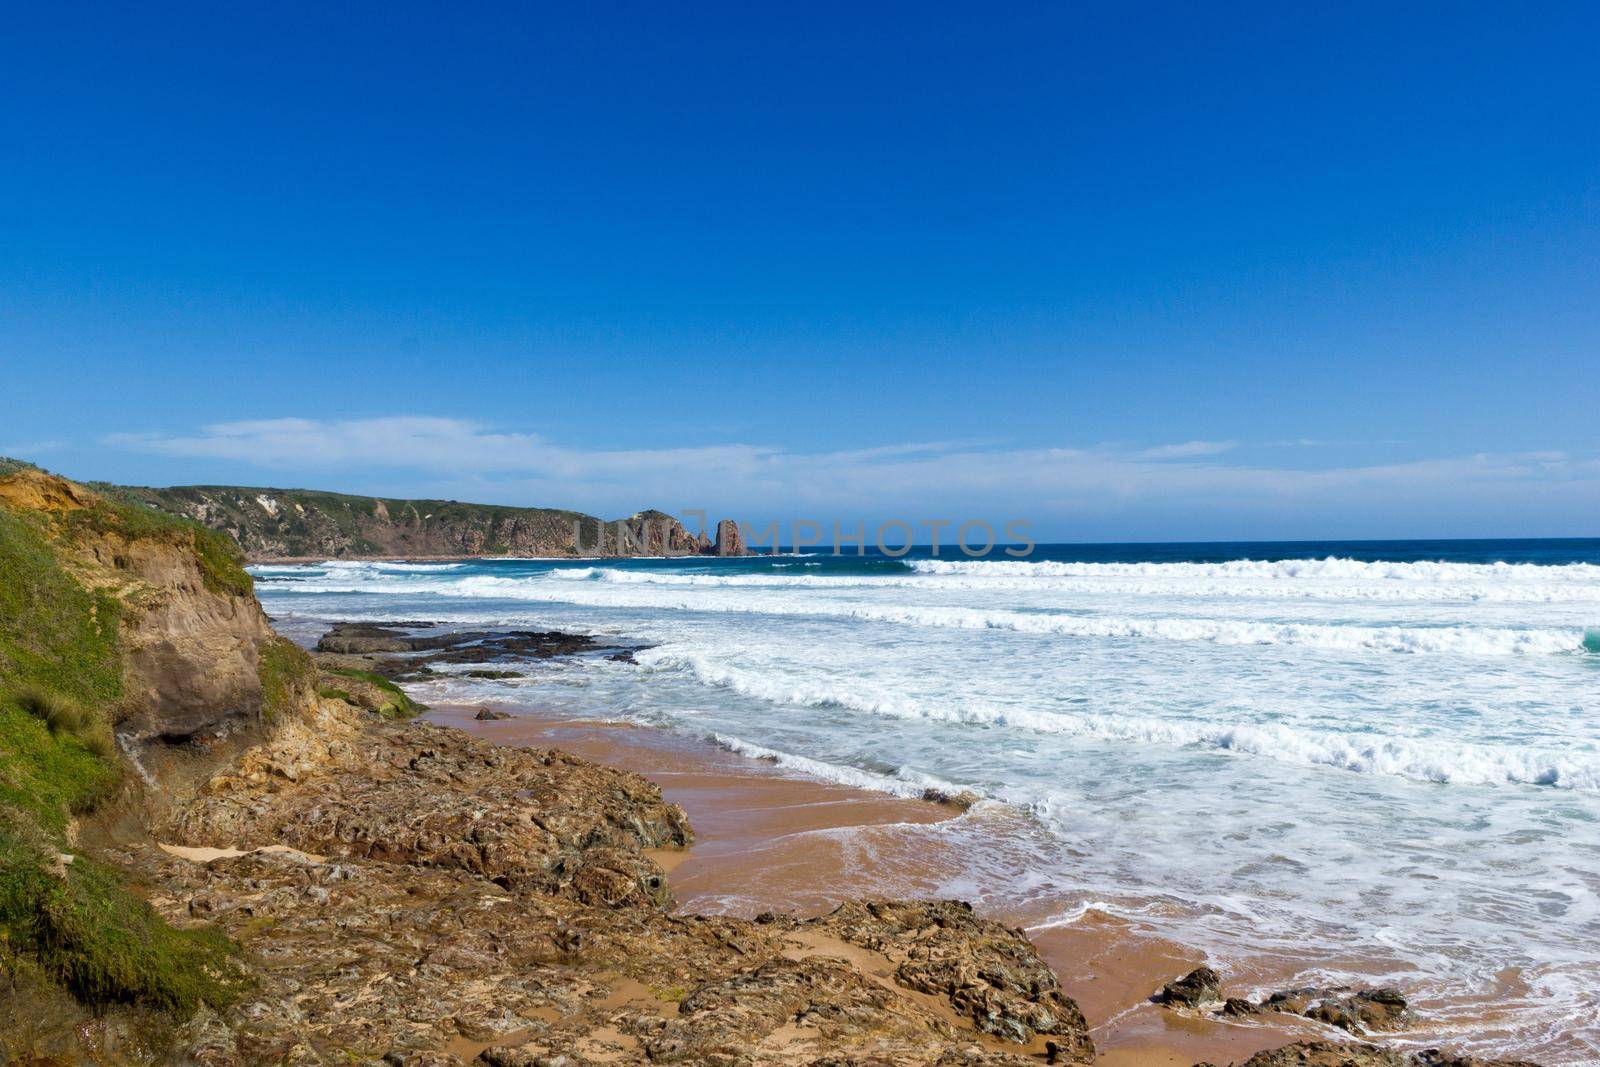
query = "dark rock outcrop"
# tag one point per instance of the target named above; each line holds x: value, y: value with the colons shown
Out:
x: 1355, y: 1011
x: 1197, y: 989
x: 1329, y: 1054
x: 396, y: 651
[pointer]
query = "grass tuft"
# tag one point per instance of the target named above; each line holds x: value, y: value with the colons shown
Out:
x: 58, y: 712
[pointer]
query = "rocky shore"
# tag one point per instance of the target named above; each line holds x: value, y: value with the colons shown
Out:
x: 409, y: 893
x: 276, y: 863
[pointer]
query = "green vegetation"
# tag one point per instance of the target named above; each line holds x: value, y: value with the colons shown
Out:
x: 49, y: 776
x: 53, y: 633
x: 81, y: 928
x: 64, y: 916
x: 11, y: 466
x: 398, y: 706
x: 286, y: 672
x: 63, y: 715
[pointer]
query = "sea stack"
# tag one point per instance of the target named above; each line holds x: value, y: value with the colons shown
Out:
x: 730, y: 542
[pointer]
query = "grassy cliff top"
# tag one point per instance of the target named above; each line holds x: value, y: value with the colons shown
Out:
x: 329, y: 501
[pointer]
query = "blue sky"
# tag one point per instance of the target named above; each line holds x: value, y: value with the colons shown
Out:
x: 1130, y: 271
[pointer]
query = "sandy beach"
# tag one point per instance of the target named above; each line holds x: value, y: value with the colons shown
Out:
x: 766, y: 839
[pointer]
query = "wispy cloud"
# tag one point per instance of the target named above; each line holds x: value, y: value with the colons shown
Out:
x: 31, y: 448
x: 1188, y: 450
x: 1197, y: 478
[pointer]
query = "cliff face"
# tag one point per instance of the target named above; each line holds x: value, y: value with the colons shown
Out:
x: 190, y: 636
x: 275, y: 524
x: 128, y: 640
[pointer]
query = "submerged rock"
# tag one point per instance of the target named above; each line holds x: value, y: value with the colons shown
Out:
x: 491, y: 715
x: 1355, y: 1011
x: 961, y: 800
x: 1383, y: 1008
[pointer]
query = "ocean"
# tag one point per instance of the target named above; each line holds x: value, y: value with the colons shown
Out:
x: 1357, y: 762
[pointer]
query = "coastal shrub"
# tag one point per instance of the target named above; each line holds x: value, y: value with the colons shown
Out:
x: 99, y: 743
x: 50, y: 776
x: 12, y: 466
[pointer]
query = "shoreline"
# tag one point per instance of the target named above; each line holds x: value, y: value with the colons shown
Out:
x: 770, y: 840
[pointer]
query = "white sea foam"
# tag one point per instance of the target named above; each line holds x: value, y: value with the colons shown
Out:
x: 1449, y: 640
x: 1330, y: 567
x: 379, y: 566
x: 1425, y: 759
x: 903, y: 783
x: 1156, y: 584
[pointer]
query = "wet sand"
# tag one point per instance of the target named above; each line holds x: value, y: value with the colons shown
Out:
x: 767, y: 840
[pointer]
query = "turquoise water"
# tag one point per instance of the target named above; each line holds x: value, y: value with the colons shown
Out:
x: 1360, y: 761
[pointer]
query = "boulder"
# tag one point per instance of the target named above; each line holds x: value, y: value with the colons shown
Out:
x: 1199, y: 988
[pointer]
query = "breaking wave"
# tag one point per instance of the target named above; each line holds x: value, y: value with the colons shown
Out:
x: 1157, y: 583
x: 1330, y: 567
x: 1451, y: 640
x: 1419, y: 758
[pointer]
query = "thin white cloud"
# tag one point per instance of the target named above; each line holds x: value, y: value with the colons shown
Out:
x: 1188, y: 450
x: 443, y: 456
x: 31, y: 448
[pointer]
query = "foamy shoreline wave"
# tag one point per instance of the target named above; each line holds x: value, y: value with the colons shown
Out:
x: 912, y: 785
x: 1420, y: 759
